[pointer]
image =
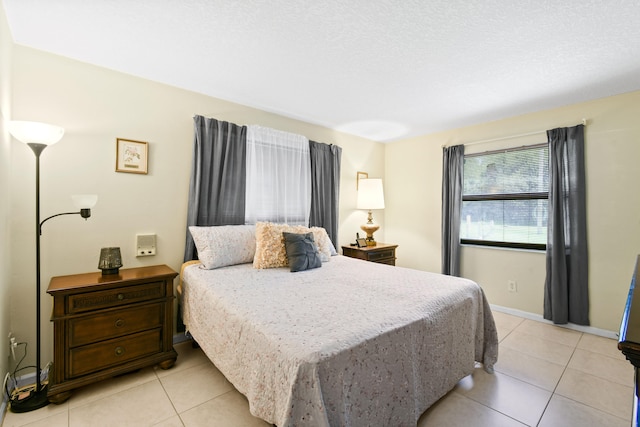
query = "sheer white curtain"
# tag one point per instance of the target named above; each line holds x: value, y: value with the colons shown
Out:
x: 278, y: 177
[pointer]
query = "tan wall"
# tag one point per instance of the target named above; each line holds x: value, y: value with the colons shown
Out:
x: 5, y: 187
x: 96, y: 106
x: 413, y: 183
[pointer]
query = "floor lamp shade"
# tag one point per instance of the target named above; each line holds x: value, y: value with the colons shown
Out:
x: 84, y: 201
x: 35, y: 132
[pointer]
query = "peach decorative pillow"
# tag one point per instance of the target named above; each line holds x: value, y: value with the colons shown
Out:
x: 270, y: 247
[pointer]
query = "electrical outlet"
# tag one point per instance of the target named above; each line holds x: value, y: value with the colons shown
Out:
x: 512, y: 286
x: 12, y: 345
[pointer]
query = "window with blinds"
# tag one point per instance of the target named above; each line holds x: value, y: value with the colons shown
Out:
x: 505, y: 198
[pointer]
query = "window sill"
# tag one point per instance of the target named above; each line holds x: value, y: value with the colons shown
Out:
x: 504, y: 248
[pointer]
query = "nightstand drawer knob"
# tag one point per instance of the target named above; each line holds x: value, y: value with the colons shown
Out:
x: 120, y: 297
x: 119, y: 351
x: 119, y: 323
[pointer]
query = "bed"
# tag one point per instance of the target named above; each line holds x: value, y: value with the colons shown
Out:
x: 351, y: 343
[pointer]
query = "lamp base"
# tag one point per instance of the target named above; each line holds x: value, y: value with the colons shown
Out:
x: 370, y: 229
x: 110, y: 271
x: 35, y: 399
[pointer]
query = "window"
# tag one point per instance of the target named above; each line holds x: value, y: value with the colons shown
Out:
x: 278, y: 177
x: 505, y: 198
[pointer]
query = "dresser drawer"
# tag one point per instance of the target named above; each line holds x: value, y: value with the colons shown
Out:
x: 114, y: 297
x: 93, y: 357
x: 99, y: 327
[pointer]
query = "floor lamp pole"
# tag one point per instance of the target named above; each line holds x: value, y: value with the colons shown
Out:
x: 37, y: 151
x: 38, y: 397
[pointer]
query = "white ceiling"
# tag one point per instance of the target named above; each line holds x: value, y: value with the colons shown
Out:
x: 381, y: 69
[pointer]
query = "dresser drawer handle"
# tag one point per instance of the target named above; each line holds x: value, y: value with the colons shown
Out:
x: 120, y: 297
x: 119, y: 323
x: 119, y: 351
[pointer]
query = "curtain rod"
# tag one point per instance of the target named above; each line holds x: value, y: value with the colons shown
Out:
x: 584, y: 122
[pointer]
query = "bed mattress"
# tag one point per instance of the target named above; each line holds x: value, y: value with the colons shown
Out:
x: 351, y: 343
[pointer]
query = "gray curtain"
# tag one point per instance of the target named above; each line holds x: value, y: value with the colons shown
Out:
x: 325, y: 187
x: 218, y: 176
x: 452, y: 173
x: 566, y: 294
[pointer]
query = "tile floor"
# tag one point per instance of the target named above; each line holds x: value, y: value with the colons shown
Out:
x: 546, y: 376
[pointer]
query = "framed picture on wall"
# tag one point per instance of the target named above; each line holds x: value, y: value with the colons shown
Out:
x: 131, y: 156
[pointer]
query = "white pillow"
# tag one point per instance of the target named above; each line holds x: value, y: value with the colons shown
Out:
x: 223, y: 245
x: 329, y: 244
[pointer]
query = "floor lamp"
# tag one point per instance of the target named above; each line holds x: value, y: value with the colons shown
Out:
x: 38, y: 136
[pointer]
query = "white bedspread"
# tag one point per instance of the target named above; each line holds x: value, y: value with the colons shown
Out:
x: 352, y: 343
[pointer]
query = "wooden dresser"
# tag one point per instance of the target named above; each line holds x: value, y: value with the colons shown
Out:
x: 109, y: 325
x: 382, y: 253
x: 629, y: 338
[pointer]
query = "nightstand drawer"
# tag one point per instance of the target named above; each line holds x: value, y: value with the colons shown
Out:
x: 89, y: 358
x: 89, y: 329
x: 382, y: 253
x: 114, y: 297
x: 376, y: 256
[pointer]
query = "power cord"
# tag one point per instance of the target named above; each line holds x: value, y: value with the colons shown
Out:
x: 17, y: 394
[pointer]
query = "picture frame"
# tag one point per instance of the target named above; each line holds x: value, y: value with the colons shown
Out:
x: 132, y: 156
x: 362, y: 243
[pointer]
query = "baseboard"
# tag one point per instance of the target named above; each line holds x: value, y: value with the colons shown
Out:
x: 539, y: 318
x: 181, y: 337
x: 5, y: 399
x: 3, y: 408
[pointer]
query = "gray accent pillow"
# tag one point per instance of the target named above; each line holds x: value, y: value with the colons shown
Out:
x: 302, y: 252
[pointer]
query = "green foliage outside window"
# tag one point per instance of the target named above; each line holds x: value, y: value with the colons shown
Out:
x: 505, y: 197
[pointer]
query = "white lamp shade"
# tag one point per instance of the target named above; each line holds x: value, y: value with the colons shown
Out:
x: 35, y: 132
x: 84, y: 201
x: 370, y: 194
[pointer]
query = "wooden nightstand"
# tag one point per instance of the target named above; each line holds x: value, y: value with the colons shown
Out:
x: 109, y: 325
x: 382, y: 253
